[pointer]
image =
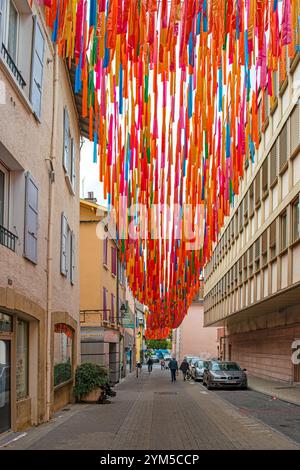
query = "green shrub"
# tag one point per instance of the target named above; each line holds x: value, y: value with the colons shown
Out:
x: 62, y: 373
x: 88, y: 377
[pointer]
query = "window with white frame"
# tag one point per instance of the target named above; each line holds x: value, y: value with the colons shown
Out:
x: 10, y: 39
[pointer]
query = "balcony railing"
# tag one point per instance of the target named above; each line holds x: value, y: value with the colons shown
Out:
x: 7, y: 238
x: 14, y: 69
x: 98, y: 318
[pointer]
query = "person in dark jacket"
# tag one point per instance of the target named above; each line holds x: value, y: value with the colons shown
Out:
x: 150, y: 364
x: 173, y: 366
x: 184, y: 367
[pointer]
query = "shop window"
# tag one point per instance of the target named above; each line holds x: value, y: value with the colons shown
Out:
x: 296, y: 219
x: 63, y: 352
x: 283, y: 231
x: 22, y: 359
x: 6, y: 324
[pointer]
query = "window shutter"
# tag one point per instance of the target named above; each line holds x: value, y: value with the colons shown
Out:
x: 265, y: 179
x: 104, y: 304
x: 66, y: 155
x: 37, y: 65
x: 31, y: 219
x: 64, y: 245
x: 73, y: 257
x: 1, y: 20
x: 73, y: 157
x: 274, y: 160
x: 283, y: 156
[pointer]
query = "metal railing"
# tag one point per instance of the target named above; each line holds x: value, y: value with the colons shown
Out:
x: 98, y: 317
x: 11, y: 64
x: 7, y: 238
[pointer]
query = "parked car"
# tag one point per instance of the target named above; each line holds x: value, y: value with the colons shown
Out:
x: 225, y: 374
x: 167, y: 360
x: 197, y: 369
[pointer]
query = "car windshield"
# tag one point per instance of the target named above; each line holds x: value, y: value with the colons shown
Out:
x: 225, y: 366
x: 201, y: 364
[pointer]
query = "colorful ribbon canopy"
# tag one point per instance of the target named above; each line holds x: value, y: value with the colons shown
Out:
x: 171, y: 90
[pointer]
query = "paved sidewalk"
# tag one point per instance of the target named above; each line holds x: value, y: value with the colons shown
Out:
x: 151, y: 413
x: 278, y: 390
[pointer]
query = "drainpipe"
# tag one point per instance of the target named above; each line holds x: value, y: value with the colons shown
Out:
x: 50, y: 235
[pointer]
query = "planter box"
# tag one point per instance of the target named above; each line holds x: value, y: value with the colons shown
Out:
x: 93, y: 396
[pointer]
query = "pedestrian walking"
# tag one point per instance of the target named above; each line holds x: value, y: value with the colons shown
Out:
x: 173, y: 366
x: 162, y: 365
x: 150, y: 365
x: 184, y: 367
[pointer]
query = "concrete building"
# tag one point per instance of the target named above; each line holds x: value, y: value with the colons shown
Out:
x: 252, y: 286
x: 39, y: 221
x: 105, y: 324
x: 192, y: 338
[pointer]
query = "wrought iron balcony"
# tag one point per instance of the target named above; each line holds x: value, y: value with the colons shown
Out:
x: 11, y: 64
x: 7, y: 238
x: 98, y: 318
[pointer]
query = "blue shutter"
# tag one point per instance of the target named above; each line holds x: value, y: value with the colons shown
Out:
x: 64, y: 245
x: 66, y: 155
x: 73, y: 258
x: 37, y: 64
x: 31, y: 219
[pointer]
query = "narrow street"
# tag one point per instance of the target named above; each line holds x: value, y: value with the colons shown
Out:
x: 150, y: 412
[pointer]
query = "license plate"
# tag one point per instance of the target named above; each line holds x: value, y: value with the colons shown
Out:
x: 231, y: 381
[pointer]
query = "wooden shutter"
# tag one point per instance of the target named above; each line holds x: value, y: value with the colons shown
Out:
x: 31, y: 219
x: 295, y: 128
x: 105, y: 245
x: 257, y: 188
x: 251, y: 200
x: 264, y: 241
x: 66, y: 155
x: 104, y: 304
x: 73, y: 258
x: 37, y: 64
x: 64, y: 245
x: 283, y: 155
x: 112, y: 308
x: 257, y: 248
x: 273, y: 234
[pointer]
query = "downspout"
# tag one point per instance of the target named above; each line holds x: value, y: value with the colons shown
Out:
x: 50, y: 236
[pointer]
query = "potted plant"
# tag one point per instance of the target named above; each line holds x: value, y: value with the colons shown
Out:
x: 90, y: 380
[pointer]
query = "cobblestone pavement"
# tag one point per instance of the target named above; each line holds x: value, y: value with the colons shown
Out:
x: 151, y: 413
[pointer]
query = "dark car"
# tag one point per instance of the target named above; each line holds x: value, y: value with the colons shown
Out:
x: 197, y: 369
x: 224, y: 374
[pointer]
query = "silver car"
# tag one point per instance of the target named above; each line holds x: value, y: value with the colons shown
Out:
x: 197, y: 369
x: 224, y: 374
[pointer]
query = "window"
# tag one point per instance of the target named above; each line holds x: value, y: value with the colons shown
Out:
x: 274, y: 162
x: 240, y: 212
x: 251, y: 200
x: 68, y: 250
x: 112, y: 308
x: 295, y: 128
x: 6, y: 323
x: 257, y: 254
x: 22, y: 359
x: 245, y: 266
x: 264, y: 247
x: 63, y: 353
x: 12, y: 30
x: 250, y: 260
x: 257, y: 189
x: 105, y: 250
x: 114, y: 260
x: 2, y: 193
x: 69, y: 154
x: 273, y: 240
x: 246, y: 208
x: 265, y: 176
x: 283, y: 151
x: 283, y: 231
x: 104, y: 304
x: 296, y: 220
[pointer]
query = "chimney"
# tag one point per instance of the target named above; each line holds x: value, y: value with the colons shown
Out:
x: 91, y: 197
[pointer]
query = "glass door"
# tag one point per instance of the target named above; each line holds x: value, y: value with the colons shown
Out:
x: 5, y: 387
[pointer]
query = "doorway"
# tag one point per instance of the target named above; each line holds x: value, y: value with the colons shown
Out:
x: 5, y: 385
